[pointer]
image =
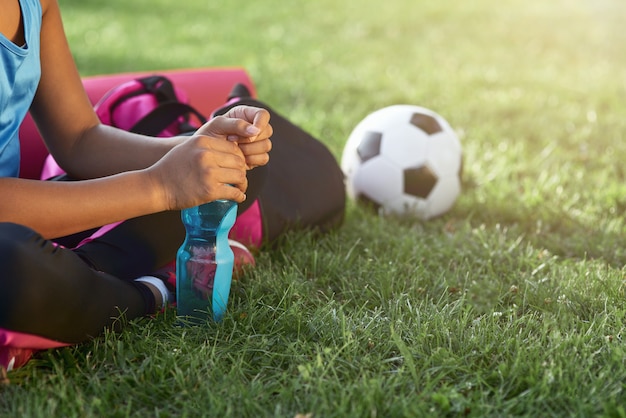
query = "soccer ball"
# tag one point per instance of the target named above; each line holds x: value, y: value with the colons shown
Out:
x: 404, y: 160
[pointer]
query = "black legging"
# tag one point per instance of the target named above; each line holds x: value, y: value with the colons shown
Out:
x: 70, y: 295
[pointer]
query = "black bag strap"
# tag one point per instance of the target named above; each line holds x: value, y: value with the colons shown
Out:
x: 160, y: 86
x: 163, y: 116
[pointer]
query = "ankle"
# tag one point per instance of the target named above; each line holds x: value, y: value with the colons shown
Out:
x: 158, y: 289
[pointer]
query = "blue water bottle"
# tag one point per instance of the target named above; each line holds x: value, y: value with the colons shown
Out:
x: 204, y: 263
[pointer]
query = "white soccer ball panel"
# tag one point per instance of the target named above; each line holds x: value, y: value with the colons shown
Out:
x: 405, y: 145
x: 444, y: 154
x: 378, y: 179
x: 443, y: 196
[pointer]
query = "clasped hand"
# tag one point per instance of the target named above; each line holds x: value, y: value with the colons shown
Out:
x: 203, y: 167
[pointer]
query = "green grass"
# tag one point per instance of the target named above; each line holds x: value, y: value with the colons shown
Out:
x: 512, y: 304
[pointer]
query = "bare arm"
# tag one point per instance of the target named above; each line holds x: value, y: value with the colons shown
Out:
x: 65, y: 117
x: 62, y: 208
x: 81, y: 145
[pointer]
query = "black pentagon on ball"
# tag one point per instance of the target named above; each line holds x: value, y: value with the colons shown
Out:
x: 369, y: 147
x: 419, y: 181
x: 426, y: 123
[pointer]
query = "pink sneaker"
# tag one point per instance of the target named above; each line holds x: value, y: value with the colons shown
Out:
x: 243, y: 260
x: 14, y: 357
x: 16, y: 348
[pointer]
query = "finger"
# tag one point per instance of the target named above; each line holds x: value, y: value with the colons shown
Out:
x: 258, y: 147
x: 227, y: 183
x: 224, y: 127
x: 233, y: 176
x: 258, y: 117
x: 232, y: 193
x: 211, y: 142
x: 261, y: 118
x: 256, y: 160
x: 265, y: 134
x: 240, y: 183
x: 219, y: 150
x: 245, y: 112
x: 228, y: 160
x: 251, y: 132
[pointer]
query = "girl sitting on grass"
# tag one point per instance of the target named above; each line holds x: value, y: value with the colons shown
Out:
x: 70, y: 295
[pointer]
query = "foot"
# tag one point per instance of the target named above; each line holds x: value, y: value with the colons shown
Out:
x: 167, y: 274
x: 160, y: 292
x: 13, y: 358
x: 243, y: 258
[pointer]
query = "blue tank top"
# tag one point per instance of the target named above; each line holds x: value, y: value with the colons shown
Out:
x: 20, y: 72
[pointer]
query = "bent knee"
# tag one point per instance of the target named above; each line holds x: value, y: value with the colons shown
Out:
x: 12, y: 238
x: 14, y: 242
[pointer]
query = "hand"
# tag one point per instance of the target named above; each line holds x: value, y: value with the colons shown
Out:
x: 205, y: 167
x: 248, y: 126
x: 201, y: 169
